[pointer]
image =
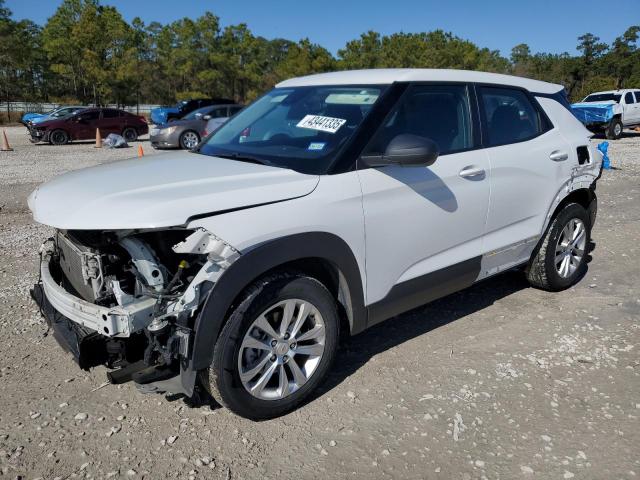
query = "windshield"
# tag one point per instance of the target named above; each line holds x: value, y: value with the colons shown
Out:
x: 301, y: 128
x: 603, y: 97
x: 192, y: 115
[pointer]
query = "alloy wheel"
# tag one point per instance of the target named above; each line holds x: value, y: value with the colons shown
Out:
x: 570, y: 248
x: 190, y: 140
x: 281, y: 349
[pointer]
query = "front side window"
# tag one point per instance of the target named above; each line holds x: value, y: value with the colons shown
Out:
x: 219, y: 112
x: 302, y: 128
x: 438, y: 112
x: 196, y: 113
x: 509, y: 115
x: 89, y: 116
x: 628, y: 98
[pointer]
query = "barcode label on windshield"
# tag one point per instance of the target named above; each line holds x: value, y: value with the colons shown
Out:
x: 324, y: 124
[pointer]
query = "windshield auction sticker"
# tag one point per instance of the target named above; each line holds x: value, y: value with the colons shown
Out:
x: 324, y: 124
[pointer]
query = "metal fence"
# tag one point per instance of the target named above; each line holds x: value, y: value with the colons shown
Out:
x: 14, y: 107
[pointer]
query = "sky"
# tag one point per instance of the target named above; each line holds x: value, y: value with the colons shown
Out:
x: 545, y: 25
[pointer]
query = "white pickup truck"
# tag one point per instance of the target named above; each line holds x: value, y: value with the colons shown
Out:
x: 609, y: 112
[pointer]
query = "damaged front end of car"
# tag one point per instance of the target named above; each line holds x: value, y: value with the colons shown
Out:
x: 128, y: 299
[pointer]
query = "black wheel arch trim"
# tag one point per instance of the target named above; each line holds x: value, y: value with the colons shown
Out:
x: 261, y: 259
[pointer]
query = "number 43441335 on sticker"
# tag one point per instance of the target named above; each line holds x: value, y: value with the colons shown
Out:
x: 324, y: 124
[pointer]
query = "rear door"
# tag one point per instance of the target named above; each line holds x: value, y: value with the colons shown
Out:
x: 111, y: 121
x: 530, y: 163
x: 424, y: 225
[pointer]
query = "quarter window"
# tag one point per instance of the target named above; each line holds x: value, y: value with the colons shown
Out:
x: 438, y: 112
x: 510, y: 116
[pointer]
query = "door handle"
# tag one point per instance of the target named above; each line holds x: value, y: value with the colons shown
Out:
x: 558, y: 156
x: 472, y: 172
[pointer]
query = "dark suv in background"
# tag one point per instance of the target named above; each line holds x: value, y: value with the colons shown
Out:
x: 82, y: 126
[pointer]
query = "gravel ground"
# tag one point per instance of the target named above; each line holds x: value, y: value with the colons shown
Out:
x: 498, y: 381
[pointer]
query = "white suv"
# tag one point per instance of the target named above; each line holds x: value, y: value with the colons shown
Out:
x: 333, y: 202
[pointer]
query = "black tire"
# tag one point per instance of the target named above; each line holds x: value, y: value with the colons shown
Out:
x: 186, y: 136
x: 58, y: 137
x: 614, y: 129
x: 541, y: 271
x: 222, y: 379
x: 130, y: 134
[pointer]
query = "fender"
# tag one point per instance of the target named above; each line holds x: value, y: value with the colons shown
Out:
x: 584, y: 183
x: 258, y: 261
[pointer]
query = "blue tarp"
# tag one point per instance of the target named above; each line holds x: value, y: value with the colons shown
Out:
x: 593, y: 112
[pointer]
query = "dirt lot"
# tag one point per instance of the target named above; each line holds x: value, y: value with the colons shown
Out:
x: 498, y: 381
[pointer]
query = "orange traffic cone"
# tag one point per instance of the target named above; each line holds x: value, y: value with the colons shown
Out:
x: 5, y: 142
x: 140, y: 151
x: 98, y: 139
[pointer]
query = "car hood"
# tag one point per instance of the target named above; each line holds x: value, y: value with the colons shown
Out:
x: 162, y: 190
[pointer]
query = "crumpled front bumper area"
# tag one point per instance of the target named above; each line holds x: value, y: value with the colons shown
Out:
x: 86, y: 346
x: 107, y: 321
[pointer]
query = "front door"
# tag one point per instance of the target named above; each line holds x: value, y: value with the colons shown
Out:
x: 85, y: 125
x: 631, y: 108
x: 424, y: 225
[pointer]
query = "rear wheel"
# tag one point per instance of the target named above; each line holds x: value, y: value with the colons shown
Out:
x: 561, y: 259
x: 276, y: 347
x: 189, y: 140
x: 58, y: 137
x: 614, y: 129
x: 130, y: 134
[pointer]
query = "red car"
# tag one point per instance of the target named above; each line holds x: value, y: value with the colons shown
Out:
x: 82, y: 125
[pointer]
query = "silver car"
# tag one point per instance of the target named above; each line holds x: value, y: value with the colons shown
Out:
x: 187, y: 132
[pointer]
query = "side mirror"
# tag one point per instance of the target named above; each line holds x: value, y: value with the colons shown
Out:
x: 207, y: 117
x: 406, y: 150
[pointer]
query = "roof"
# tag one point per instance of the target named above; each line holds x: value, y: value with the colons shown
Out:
x: 386, y: 76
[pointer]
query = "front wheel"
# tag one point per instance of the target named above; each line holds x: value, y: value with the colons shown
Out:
x: 614, y: 129
x: 276, y: 347
x: 58, y: 137
x: 560, y: 260
x: 189, y: 140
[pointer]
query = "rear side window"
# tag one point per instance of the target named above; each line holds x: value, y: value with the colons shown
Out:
x: 638, y: 97
x: 110, y: 113
x: 438, y: 112
x: 628, y: 98
x: 510, y: 116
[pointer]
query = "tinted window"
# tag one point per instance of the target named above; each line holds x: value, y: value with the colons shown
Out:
x: 638, y: 97
x: 234, y: 110
x: 509, y: 115
x: 218, y: 112
x: 110, y: 113
x: 92, y: 115
x: 628, y: 98
x: 438, y: 112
